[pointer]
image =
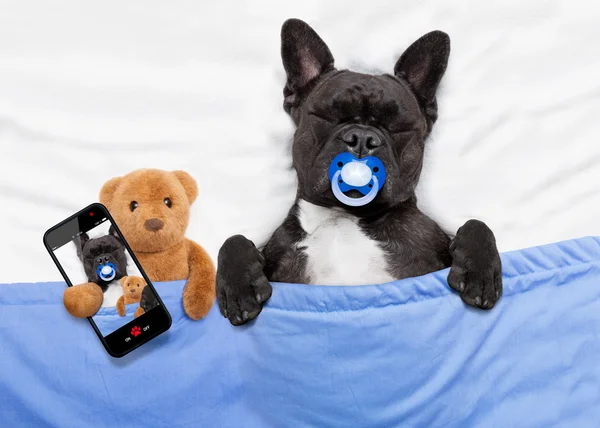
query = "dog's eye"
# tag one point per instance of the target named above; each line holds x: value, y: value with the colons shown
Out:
x: 133, y: 205
x: 400, y: 131
x: 400, y: 128
x: 168, y: 202
x: 320, y: 116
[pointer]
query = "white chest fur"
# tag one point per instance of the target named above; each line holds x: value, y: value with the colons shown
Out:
x: 338, y: 251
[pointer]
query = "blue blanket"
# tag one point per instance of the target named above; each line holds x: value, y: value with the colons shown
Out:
x: 408, y: 353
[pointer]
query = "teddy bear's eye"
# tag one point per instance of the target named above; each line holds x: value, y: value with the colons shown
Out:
x: 138, y: 285
x: 168, y: 202
x: 133, y: 205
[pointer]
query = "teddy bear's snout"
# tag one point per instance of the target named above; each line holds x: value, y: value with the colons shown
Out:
x: 153, y: 224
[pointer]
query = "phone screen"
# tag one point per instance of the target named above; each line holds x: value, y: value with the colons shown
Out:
x: 88, y: 248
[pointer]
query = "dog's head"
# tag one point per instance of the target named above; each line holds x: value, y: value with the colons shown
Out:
x: 97, y: 253
x: 335, y: 111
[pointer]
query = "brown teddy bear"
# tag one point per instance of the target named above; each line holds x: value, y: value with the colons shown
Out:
x: 132, y: 293
x: 152, y: 209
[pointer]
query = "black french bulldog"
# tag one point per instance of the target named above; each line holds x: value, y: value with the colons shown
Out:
x: 100, y: 251
x: 325, y: 242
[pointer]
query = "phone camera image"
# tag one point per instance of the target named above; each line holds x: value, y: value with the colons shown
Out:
x: 96, y: 254
x: 105, y: 279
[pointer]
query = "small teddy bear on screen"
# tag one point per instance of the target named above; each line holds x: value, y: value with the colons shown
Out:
x: 132, y: 293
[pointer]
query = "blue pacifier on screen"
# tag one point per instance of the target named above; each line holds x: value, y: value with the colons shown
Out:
x: 346, y: 172
x: 107, y: 272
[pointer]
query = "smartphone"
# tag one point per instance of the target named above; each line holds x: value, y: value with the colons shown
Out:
x: 89, y: 247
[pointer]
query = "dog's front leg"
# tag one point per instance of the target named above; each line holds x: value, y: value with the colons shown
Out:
x: 476, y: 270
x: 242, y: 286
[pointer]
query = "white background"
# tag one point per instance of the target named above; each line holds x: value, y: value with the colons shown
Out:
x: 91, y: 90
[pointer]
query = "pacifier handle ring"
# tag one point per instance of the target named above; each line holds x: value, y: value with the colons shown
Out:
x: 347, y: 200
x: 109, y: 278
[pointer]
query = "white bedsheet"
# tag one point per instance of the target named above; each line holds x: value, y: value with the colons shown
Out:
x: 91, y: 90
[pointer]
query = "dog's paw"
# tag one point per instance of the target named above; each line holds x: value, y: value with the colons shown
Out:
x: 476, y: 271
x: 242, y: 287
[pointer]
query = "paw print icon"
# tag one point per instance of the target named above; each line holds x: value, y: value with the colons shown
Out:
x: 135, y: 331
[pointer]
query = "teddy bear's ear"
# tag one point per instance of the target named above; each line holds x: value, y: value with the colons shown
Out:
x: 123, y: 280
x: 108, y: 190
x: 188, y: 183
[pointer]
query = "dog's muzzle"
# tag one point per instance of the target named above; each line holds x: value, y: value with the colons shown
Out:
x: 366, y: 175
x: 107, y: 272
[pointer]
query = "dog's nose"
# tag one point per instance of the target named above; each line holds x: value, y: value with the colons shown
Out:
x: 153, y: 224
x: 361, y: 140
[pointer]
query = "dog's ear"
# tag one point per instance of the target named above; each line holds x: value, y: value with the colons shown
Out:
x: 305, y: 57
x: 108, y: 190
x: 113, y: 232
x: 80, y: 242
x: 423, y: 64
x: 189, y: 185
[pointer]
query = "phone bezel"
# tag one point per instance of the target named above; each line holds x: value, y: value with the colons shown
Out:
x: 166, y: 317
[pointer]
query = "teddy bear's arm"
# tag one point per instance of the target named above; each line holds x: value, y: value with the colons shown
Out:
x: 121, y: 310
x: 139, y: 311
x: 83, y: 300
x: 199, y: 292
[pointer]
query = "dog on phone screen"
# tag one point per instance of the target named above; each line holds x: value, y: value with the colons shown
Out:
x: 103, y: 258
x: 323, y: 241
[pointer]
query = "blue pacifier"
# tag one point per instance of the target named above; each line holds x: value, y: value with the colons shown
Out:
x: 107, y: 272
x: 346, y: 172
